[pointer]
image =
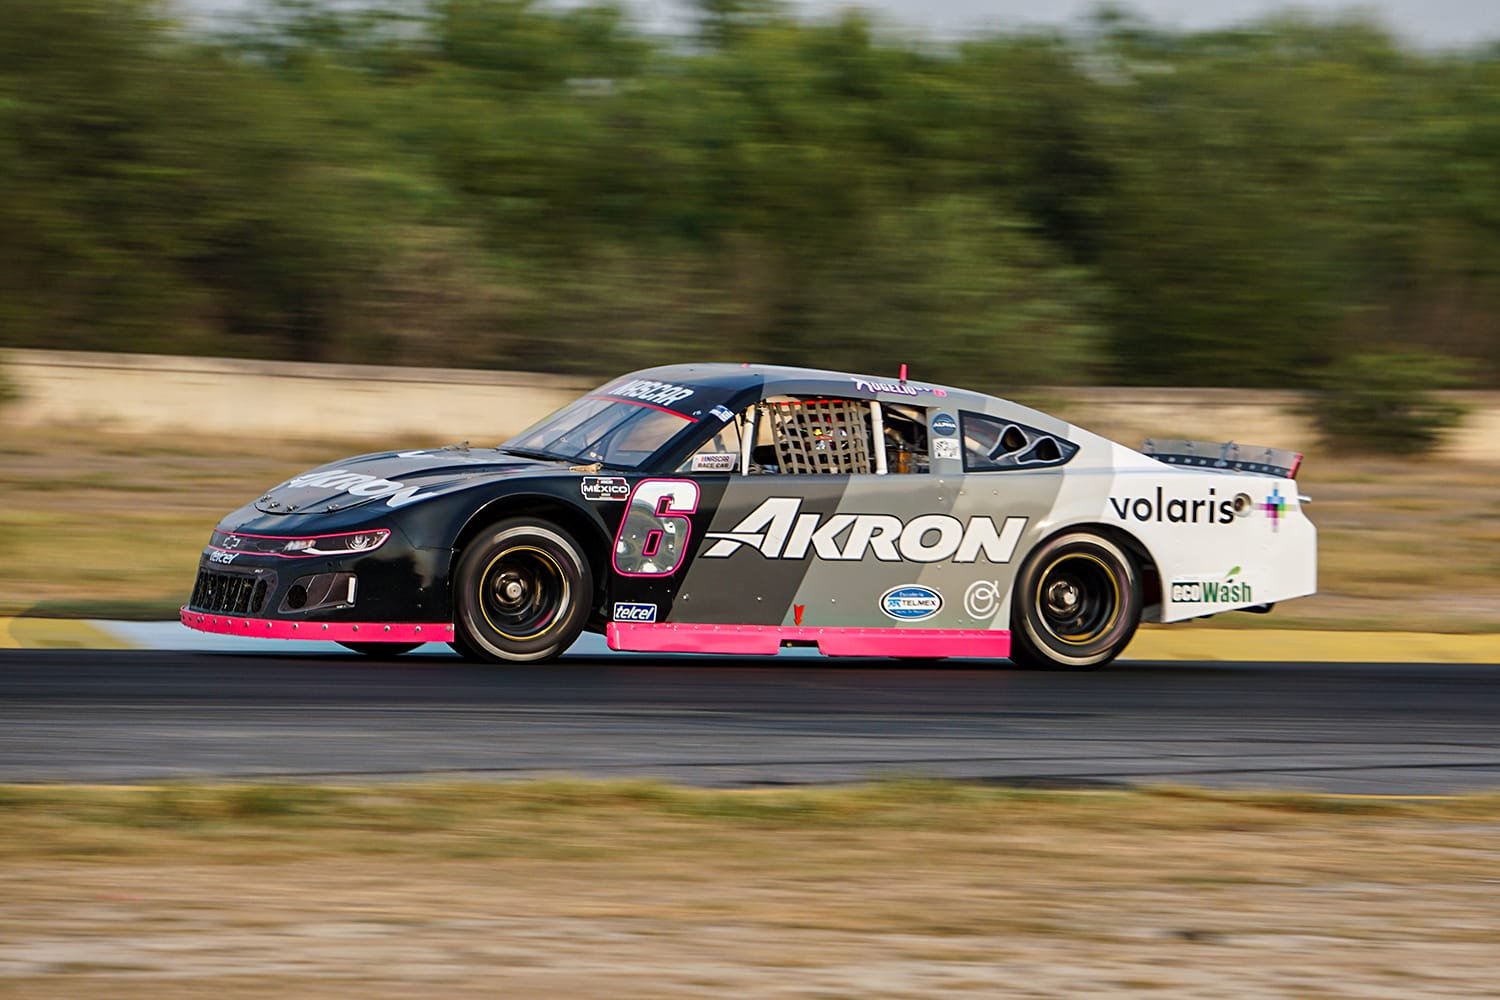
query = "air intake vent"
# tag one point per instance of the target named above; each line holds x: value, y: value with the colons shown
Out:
x: 231, y: 593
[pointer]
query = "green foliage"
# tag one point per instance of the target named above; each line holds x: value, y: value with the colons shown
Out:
x: 511, y: 184
x: 1387, y: 401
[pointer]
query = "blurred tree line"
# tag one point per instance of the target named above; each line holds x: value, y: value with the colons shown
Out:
x: 494, y: 183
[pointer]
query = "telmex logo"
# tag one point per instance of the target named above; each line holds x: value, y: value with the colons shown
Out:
x: 778, y: 530
x: 910, y: 604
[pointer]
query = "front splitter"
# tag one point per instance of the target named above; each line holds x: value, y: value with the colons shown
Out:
x: 277, y: 628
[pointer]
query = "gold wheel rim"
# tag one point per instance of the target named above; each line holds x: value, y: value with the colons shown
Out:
x: 548, y: 561
x: 1040, y: 601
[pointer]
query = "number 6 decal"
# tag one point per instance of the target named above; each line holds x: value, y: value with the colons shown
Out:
x: 653, y: 535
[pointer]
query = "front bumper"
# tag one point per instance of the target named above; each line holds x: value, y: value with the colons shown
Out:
x: 395, y: 583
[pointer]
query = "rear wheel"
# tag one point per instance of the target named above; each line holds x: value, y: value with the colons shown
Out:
x: 1077, y: 603
x: 381, y: 650
x: 522, y: 593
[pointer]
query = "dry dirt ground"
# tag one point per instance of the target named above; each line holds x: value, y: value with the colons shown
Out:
x: 101, y: 525
x: 642, y: 891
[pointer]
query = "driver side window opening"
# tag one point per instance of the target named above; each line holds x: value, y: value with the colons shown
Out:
x: 816, y: 435
x: 721, y: 452
x: 905, y: 430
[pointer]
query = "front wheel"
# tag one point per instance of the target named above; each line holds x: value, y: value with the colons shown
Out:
x: 1077, y: 603
x: 522, y: 593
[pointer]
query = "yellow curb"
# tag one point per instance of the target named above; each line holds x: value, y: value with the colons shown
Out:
x: 55, y: 633
x: 1296, y: 645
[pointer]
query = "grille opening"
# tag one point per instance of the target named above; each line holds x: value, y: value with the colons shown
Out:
x: 230, y: 593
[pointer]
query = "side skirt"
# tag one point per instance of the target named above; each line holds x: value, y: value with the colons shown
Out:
x: 766, y: 640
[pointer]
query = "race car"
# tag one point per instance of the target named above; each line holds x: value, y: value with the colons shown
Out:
x: 738, y: 509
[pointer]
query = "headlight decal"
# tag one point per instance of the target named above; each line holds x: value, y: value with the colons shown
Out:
x: 300, y: 546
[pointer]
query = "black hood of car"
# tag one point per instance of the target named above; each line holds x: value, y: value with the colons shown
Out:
x: 394, y: 479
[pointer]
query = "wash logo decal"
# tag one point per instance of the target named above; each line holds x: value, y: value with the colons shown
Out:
x: 1224, y: 591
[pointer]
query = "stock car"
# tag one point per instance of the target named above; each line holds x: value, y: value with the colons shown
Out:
x: 738, y: 509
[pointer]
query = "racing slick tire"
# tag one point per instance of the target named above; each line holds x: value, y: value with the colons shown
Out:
x: 522, y: 592
x: 381, y: 650
x: 1077, y: 603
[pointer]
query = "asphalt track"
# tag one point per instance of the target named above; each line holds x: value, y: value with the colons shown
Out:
x: 143, y: 716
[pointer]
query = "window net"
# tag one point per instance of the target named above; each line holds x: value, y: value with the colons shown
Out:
x: 821, y: 435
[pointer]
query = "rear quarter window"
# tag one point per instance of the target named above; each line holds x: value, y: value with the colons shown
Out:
x: 993, y: 444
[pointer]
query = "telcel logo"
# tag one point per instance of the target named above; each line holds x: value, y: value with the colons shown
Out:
x: 630, y: 612
x: 910, y: 604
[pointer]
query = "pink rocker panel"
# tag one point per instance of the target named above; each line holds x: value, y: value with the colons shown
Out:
x: 766, y: 640
x: 273, y: 628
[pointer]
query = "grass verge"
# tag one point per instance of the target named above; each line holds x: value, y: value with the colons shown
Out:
x: 586, y: 889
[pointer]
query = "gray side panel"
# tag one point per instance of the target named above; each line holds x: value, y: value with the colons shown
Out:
x: 747, y: 588
x: 836, y: 545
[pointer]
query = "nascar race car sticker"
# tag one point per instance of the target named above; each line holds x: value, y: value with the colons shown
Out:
x: 633, y: 611
x: 945, y: 448
x: 944, y: 424
x: 722, y: 461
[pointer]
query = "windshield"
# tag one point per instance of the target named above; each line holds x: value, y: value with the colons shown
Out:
x: 597, y: 429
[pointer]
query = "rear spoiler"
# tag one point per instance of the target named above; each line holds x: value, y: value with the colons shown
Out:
x: 1240, y: 457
